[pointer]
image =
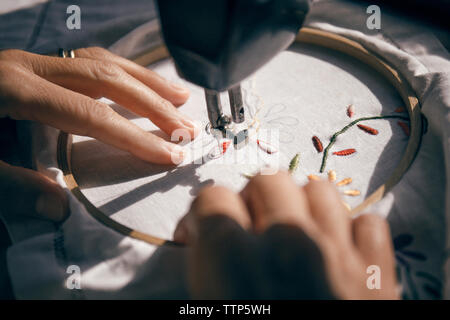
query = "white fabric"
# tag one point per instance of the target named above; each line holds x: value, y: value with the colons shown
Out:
x: 293, y: 105
x: 116, y: 266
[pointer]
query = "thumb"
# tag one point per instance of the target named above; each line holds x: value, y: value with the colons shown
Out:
x: 24, y: 192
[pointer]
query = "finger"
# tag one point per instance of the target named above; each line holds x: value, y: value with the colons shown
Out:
x: 24, y: 192
x: 166, y: 89
x: 221, y: 261
x: 328, y: 211
x: 215, y: 227
x: 372, y: 237
x: 75, y: 113
x: 294, y: 265
x: 212, y: 201
x: 104, y: 79
x: 169, y: 91
x: 273, y: 199
x: 181, y: 233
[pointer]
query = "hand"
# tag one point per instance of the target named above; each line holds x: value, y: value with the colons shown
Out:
x: 275, y: 240
x: 62, y: 92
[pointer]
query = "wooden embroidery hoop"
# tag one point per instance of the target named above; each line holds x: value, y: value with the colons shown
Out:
x: 306, y: 35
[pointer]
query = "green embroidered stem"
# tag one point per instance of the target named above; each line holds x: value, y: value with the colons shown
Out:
x: 351, y: 124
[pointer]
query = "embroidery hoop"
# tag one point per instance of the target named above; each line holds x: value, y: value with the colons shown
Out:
x: 306, y: 35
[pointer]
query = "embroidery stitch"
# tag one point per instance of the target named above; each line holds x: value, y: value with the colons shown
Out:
x: 334, y: 137
x: 331, y: 175
x: 312, y: 177
x: 266, y: 147
x: 368, y: 129
x: 225, y: 146
x: 344, y: 182
x: 293, y: 165
x: 350, y: 110
x: 219, y: 150
x: 317, y: 144
x: 352, y: 192
x: 345, y: 152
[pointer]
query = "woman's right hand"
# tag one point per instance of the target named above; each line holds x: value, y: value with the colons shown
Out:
x: 275, y: 240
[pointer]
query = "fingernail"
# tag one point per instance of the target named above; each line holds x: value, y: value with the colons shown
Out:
x: 191, y: 125
x: 188, y: 123
x: 177, y: 154
x: 178, y: 87
x: 51, y: 206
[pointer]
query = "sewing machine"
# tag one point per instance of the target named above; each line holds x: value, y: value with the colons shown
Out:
x: 217, y: 44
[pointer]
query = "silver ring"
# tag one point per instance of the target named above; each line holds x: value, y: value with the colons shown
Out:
x: 63, y: 53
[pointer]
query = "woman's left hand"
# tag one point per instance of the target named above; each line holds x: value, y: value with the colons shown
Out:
x: 62, y: 93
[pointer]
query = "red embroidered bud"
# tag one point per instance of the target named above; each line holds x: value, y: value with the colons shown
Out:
x: 368, y: 129
x: 317, y: 144
x: 345, y: 152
